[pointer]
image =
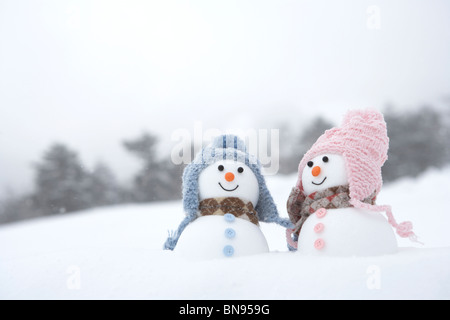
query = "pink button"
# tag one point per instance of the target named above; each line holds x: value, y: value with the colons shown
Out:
x: 318, y: 227
x: 319, y: 244
x: 321, y: 213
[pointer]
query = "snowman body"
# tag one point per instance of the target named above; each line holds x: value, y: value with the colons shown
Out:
x: 212, y: 237
x: 219, y: 236
x: 345, y: 231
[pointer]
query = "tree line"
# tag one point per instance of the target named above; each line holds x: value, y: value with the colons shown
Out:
x: 418, y: 140
x: 64, y: 184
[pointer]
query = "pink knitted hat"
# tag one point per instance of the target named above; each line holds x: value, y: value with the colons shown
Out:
x: 363, y: 142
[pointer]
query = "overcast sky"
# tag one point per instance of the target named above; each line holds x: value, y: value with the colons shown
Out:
x: 92, y: 73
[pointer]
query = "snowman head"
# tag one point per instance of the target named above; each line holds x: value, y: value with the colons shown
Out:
x: 324, y: 171
x: 362, y: 142
x: 228, y: 178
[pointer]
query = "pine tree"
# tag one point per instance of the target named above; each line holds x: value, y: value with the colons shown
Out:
x: 61, y: 182
x: 158, y: 179
x: 14, y: 208
x: 417, y: 140
x: 103, y: 187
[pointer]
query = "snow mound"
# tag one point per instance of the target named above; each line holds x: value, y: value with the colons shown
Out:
x: 116, y: 253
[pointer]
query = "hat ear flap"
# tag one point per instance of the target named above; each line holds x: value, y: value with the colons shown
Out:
x: 190, y: 202
x: 190, y: 189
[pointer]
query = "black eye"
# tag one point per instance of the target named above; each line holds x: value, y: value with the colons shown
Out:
x: 310, y: 164
x: 325, y: 159
x: 240, y: 169
x: 220, y: 168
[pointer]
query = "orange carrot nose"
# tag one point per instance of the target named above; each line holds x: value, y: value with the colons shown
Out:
x: 316, y: 171
x: 229, y: 176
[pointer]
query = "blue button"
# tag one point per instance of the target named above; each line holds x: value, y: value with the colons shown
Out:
x: 230, y: 233
x: 229, y: 217
x: 228, y: 251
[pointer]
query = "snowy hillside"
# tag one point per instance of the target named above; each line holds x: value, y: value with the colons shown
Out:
x: 115, y: 253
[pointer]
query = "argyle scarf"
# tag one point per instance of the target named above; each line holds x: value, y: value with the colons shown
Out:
x: 300, y: 206
x: 235, y: 206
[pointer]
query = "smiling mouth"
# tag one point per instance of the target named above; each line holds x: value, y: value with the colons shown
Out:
x: 318, y: 184
x: 229, y: 190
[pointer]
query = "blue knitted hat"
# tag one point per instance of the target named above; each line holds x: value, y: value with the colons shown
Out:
x: 226, y: 147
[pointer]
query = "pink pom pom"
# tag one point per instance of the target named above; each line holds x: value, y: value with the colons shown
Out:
x: 404, y: 229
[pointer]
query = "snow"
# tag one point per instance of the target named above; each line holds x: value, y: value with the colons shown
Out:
x: 115, y: 253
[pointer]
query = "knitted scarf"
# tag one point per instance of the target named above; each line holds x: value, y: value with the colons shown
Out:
x: 300, y: 207
x: 235, y: 206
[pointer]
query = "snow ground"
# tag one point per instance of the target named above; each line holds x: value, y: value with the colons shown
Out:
x: 115, y: 253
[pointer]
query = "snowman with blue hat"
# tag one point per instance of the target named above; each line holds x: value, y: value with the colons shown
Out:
x: 225, y: 197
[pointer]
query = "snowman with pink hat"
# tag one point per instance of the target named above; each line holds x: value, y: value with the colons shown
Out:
x: 333, y: 204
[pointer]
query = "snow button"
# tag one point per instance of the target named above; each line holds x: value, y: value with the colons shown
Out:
x: 230, y: 233
x: 229, y: 217
x: 319, y: 244
x: 318, y: 227
x: 228, y: 251
x: 321, y: 213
